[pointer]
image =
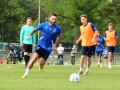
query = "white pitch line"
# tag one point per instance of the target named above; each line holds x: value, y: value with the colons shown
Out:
x: 6, y: 67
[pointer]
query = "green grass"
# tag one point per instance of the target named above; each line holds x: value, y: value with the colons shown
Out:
x: 56, y: 77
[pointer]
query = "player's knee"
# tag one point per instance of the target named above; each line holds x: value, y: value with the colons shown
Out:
x: 83, y: 56
x: 42, y: 62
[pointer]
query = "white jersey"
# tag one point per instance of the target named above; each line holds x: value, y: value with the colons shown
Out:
x: 60, y: 50
x: 74, y: 52
x: 105, y: 53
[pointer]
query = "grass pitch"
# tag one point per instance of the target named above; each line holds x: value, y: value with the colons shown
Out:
x: 56, y: 77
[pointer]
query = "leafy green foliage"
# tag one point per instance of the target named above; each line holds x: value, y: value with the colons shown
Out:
x: 100, y: 12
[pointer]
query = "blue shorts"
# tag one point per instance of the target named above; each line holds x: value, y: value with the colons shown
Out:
x: 88, y: 50
x: 42, y: 52
x: 99, y: 53
x: 111, y: 49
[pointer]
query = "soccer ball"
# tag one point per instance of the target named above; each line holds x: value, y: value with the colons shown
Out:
x: 74, y: 77
x: 23, y: 62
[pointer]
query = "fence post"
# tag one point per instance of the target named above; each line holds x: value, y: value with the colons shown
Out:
x: 113, y: 59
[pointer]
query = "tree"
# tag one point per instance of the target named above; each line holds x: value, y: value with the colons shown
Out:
x: 11, y: 16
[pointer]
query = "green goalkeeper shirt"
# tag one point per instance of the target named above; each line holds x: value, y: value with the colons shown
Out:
x: 25, y: 31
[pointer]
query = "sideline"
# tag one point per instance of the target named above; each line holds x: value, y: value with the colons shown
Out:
x: 6, y: 67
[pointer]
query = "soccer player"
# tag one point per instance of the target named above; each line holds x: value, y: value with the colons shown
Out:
x: 88, y: 37
x: 99, y: 49
x: 51, y: 35
x: 111, y: 40
x: 27, y: 44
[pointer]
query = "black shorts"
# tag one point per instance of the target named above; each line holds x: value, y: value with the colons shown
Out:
x: 111, y: 49
x: 88, y: 50
x: 27, y: 48
x: 105, y: 57
x: 60, y: 56
x: 42, y: 52
x: 99, y: 53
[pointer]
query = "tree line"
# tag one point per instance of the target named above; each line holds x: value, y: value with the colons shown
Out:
x: 100, y: 12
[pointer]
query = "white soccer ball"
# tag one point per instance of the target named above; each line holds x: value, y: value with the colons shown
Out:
x: 74, y: 77
x: 65, y: 64
x: 23, y: 62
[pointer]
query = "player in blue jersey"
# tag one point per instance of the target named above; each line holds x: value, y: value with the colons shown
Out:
x: 27, y: 44
x: 99, y: 49
x: 51, y: 35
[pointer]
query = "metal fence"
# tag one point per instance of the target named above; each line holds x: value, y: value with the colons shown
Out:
x: 94, y: 58
x: 67, y: 58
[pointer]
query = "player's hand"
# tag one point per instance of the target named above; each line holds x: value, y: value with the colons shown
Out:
x: 77, y: 41
x: 115, y: 37
x: 106, y: 39
x: 93, y: 40
x: 98, y: 44
x: 27, y: 37
x: 21, y: 45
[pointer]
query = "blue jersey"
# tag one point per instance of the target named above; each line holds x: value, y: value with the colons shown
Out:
x: 101, y: 41
x: 49, y: 35
x: 93, y: 26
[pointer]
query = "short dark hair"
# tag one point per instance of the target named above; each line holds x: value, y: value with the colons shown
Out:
x: 84, y: 15
x: 29, y: 18
x: 53, y: 14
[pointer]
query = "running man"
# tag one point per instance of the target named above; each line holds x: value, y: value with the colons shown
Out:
x: 100, y: 49
x: 51, y: 35
x: 111, y: 40
x: 27, y: 44
x: 88, y: 37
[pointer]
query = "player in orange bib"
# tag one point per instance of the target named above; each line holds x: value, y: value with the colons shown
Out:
x: 88, y: 37
x: 111, y: 40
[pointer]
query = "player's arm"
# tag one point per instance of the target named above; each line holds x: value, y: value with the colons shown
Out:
x: 39, y: 27
x: 63, y: 49
x: 31, y: 33
x: 34, y: 38
x: 116, y: 35
x: 79, y: 39
x: 57, y: 41
x: 95, y: 35
x: 22, y: 35
x: 105, y: 37
x: 97, y: 43
x: 96, y: 32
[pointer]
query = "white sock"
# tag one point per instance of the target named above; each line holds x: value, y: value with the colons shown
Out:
x: 98, y: 62
x: 109, y: 63
x: 87, y: 69
x: 81, y: 69
x: 27, y: 71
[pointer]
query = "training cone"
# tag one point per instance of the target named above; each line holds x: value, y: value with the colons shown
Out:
x: 1, y: 62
